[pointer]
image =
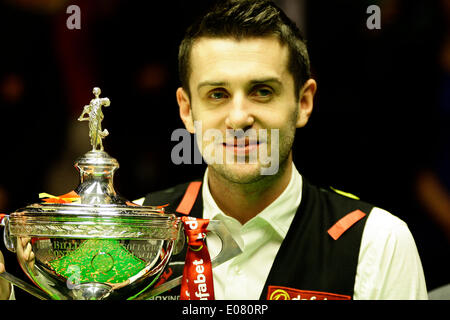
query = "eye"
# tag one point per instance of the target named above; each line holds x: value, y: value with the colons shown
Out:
x: 263, y: 93
x: 217, y: 95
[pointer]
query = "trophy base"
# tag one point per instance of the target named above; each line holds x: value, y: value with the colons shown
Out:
x: 91, y: 291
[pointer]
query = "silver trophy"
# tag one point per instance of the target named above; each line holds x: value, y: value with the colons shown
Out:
x: 92, y: 244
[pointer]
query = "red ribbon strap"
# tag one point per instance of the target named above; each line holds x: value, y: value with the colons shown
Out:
x: 197, y: 283
x: 189, y: 198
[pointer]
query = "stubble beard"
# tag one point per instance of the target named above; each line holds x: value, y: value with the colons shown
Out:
x: 249, y: 174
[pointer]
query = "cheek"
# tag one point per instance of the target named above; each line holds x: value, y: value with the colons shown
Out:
x: 282, y: 119
x: 207, y: 125
x: 209, y: 119
x: 286, y: 127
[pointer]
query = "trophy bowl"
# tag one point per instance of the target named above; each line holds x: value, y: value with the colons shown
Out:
x: 86, y: 252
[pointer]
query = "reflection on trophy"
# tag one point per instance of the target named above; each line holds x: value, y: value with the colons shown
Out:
x: 92, y: 244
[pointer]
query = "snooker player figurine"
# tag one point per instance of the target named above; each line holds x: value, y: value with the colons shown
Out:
x: 94, y: 110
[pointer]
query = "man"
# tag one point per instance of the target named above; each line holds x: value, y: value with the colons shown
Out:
x: 244, y: 66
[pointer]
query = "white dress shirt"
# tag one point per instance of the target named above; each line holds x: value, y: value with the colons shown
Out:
x: 389, y: 266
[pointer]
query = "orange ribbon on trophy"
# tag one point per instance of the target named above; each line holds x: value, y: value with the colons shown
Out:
x: 69, y: 197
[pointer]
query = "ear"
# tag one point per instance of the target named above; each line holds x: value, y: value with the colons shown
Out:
x: 305, y: 103
x: 185, y: 109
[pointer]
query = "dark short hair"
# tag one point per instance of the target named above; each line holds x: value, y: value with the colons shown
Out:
x: 246, y: 19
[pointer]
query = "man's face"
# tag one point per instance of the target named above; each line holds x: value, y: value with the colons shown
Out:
x: 241, y: 85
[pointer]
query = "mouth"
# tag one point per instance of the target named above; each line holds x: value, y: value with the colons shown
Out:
x: 242, y: 146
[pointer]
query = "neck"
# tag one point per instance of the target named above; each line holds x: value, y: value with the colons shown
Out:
x: 245, y: 201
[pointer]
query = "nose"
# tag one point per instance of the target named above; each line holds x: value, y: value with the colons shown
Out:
x: 239, y: 115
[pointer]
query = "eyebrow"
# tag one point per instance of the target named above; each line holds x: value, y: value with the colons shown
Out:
x: 212, y: 84
x: 252, y: 82
x: 266, y: 80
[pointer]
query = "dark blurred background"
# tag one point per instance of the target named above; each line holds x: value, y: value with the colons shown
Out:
x: 379, y: 128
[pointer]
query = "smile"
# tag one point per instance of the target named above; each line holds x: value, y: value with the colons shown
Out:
x: 242, y: 146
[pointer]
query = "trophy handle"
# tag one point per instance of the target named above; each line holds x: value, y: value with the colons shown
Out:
x: 229, y: 250
x: 9, y: 244
x: 7, y: 238
x: 25, y: 286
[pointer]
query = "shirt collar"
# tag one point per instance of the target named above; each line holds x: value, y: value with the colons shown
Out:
x: 278, y: 214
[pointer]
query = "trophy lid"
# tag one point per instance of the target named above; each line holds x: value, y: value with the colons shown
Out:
x: 96, y: 186
x: 95, y: 210
x: 96, y: 167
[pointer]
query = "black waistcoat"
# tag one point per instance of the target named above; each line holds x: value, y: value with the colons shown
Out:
x: 309, y: 259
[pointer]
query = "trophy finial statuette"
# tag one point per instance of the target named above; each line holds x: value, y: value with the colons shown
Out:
x: 95, y: 116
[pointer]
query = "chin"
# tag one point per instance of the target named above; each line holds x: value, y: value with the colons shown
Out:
x: 239, y: 173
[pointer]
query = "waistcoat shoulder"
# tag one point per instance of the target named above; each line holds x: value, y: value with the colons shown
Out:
x: 309, y: 258
x: 172, y: 197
